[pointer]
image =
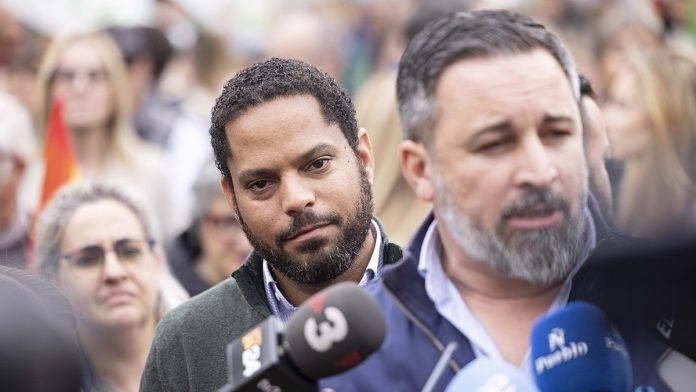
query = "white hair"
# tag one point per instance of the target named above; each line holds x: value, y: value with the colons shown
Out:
x: 16, y: 129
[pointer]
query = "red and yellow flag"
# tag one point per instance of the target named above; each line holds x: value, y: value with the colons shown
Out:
x: 60, y: 163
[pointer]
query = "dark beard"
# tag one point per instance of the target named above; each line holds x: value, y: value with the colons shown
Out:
x: 317, y: 266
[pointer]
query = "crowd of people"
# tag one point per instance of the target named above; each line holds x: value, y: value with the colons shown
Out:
x: 219, y: 176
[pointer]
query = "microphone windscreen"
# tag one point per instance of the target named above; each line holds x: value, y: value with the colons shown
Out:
x: 334, y: 330
x: 576, y: 349
x: 485, y: 375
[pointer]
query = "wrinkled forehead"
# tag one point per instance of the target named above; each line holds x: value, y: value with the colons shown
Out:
x: 525, y: 87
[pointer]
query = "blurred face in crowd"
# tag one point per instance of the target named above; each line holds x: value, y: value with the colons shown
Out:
x: 108, y: 268
x: 505, y: 164
x: 597, y: 150
x: 81, y: 80
x: 11, y: 170
x: 222, y: 238
x: 627, y: 121
x: 301, y: 192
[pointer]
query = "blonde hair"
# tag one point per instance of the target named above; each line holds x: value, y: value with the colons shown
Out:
x: 398, y: 208
x: 658, y: 187
x: 122, y: 142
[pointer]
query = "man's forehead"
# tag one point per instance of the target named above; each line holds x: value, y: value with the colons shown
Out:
x: 501, y: 76
x: 270, y: 138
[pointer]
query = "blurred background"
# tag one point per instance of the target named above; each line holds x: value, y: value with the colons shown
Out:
x: 132, y: 83
x: 121, y: 91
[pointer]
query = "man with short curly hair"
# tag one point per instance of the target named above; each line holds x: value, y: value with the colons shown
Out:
x: 298, y: 171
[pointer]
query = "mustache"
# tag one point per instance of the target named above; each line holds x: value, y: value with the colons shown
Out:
x: 306, y: 219
x: 536, y: 200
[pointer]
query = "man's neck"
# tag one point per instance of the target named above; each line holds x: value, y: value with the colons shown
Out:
x: 297, y: 293
x: 118, y: 358
x: 475, y: 278
x: 505, y: 307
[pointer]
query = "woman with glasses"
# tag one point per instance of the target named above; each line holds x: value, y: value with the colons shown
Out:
x: 87, y: 74
x: 214, y: 246
x: 97, y: 244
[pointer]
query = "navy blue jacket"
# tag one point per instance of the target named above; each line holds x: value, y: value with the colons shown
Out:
x: 417, y: 333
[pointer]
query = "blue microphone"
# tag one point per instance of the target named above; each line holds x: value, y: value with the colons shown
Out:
x: 575, y: 349
x: 484, y: 375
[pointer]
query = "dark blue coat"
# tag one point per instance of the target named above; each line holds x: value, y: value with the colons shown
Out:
x: 417, y: 333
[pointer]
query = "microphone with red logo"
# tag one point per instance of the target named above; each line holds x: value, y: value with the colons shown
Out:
x: 334, y: 330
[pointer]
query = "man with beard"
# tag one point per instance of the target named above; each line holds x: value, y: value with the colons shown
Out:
x: 490, y: 107
x: 297, y: 170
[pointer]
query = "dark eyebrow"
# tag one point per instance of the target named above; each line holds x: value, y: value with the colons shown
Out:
x: 555, y: 119
x: 322, y: 148
x: 254, y: 173
x: 93, y: 247
x: 319, y: 149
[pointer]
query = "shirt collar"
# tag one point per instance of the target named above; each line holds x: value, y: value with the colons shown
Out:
x: 449, y: 304
x: 282, y: 308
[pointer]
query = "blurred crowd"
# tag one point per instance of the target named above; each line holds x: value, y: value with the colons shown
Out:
x: 135, y: 99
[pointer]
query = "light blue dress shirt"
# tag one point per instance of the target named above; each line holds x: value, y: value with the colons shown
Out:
x: 451, y: 306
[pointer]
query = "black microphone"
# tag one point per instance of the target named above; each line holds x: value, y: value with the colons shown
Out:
x: 334, y: 330
x: 652, y: 285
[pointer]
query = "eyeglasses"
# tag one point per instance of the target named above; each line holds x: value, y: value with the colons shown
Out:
x: 92, y: 257
x: 67, y: 76
x: 222, y: 222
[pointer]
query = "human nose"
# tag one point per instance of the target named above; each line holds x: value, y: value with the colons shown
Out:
x: 536, y: 167
x: 114, y: 271
x: 296, y: 195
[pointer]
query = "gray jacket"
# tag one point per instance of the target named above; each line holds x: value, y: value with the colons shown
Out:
x: 188, y: 352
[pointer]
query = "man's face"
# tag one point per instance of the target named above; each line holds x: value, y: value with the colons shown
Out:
x: 597, y: 151
x: 301, y: 192
x: 505, y: 165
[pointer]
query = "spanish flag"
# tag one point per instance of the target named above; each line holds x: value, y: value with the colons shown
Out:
x: 60, y: 163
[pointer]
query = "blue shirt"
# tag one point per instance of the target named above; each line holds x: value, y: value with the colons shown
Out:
x: 282, y: 308
x: 450, y: 305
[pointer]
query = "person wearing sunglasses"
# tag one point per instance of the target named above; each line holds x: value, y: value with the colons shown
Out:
x: 97, y: 243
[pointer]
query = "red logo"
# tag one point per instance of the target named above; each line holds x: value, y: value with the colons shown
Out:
x: 317, y: 303
x: 350, y: 360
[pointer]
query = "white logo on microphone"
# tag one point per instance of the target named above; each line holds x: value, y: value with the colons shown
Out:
x: 559, y: 352
x: 322, y: 337
x: 556, y: 339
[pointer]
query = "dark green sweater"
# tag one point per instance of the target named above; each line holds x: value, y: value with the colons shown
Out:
x: 188, y: 352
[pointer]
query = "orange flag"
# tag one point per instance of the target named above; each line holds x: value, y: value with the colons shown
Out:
x: 60, y: 163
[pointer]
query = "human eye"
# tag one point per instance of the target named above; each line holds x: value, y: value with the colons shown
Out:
x: 318, y: 165
x: 493, y: 146
x: 129, y: 251
x: 88, y: 258
x: 259, y: 185
x: 557, y: 133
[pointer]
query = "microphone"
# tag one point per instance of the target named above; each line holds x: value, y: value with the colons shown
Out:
x: 485, y: 375
x: 333, y: 331
x: 575, y: 349
x: 651, y: 285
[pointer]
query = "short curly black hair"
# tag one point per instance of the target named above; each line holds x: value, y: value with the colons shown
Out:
x: 274, y: 78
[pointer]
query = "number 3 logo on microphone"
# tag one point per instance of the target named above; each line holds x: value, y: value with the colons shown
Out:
x: 322, y: 337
